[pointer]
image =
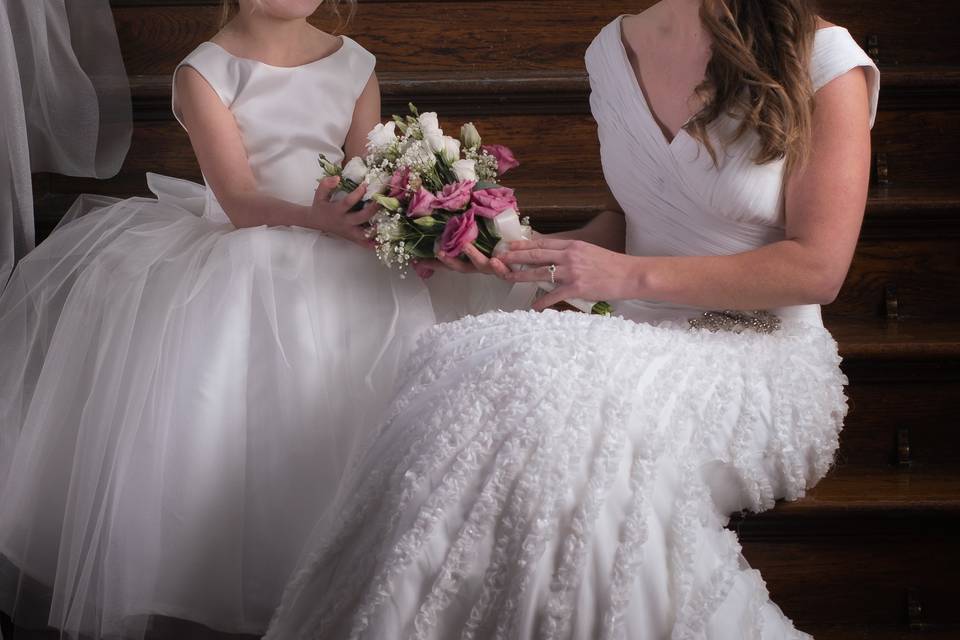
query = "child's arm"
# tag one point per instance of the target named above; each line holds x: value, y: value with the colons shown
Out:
x: 366, y: 116
x: 219, y: 148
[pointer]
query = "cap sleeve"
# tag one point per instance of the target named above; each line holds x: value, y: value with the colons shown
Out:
x: 216, y: 67
x: 835, y: 52
x: 359, y: 66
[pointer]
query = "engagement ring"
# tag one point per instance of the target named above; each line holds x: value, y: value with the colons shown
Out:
x: 553, y: 273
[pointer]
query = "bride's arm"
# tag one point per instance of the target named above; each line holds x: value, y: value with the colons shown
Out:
x: 825, y: 202
x: 219, y: 148
x: 607, y: 229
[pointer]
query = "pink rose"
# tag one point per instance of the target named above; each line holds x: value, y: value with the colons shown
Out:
x: 421, y: 204
x: 505, y: 158
x: 399, y: 182
x: 489, y: 203
x: 460, y: 231
x: 455, y: 197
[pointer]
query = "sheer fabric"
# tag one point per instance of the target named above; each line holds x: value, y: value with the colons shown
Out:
x: 64, y: 105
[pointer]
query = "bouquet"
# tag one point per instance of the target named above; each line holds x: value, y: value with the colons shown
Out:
x: 437, y: 193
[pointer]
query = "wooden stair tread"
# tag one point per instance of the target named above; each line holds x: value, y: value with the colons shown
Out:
x: 869, y: 489
x: 905, y: 339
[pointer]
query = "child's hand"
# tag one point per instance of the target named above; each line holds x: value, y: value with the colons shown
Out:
x: 335, y: 217
x: 479, y: 263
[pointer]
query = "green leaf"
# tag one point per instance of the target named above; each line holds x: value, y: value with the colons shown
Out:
x: 602, y: 309
x: 485, y: 185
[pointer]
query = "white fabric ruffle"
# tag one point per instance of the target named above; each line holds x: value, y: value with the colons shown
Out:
x: 567, y: 476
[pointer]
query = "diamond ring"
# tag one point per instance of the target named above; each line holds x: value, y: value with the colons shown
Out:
x: 553, y: 273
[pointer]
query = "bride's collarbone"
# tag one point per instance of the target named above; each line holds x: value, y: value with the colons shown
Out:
x: 668, y: 72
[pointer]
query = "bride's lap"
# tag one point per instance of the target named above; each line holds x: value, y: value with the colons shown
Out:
x: 529, y: 455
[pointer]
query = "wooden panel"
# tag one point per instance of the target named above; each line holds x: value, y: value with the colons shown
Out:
x: 927, y: 409
x: 926, y: 274
x: 920, y: 146
x: 517, y: 34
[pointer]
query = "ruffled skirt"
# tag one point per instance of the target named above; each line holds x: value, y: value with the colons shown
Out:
x: 566, y: 476
x: 178, y: 401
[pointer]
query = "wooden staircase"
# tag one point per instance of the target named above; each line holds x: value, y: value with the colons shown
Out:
x: 874, y: 551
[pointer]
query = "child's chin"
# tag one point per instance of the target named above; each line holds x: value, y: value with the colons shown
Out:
x: 289, y: 9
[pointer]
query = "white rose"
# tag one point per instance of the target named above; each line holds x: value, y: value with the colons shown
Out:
x: 465, y: 169
x: 429, y: 123
x: 355, y: 171
x: 377, y: 182
x: 451, y: 149
x: 434, y: 142
x: 383, y: 135
x: 432, y: 133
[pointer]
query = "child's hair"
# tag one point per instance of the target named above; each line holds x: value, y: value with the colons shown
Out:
x: 333, y: 6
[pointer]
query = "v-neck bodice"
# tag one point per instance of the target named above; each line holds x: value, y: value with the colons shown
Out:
x: 677, y: 201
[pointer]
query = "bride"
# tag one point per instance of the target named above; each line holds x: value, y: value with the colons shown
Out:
x: 569, y: 476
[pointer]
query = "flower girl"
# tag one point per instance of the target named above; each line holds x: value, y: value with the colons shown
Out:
x: 184, y: 378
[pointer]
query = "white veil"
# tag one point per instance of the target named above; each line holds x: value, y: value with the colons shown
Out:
x: 64, y: 105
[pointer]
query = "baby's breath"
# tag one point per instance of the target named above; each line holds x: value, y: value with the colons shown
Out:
x: 487, y: 167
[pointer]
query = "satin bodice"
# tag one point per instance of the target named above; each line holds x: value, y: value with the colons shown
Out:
x: 286, y: 115
x: 677, y: 201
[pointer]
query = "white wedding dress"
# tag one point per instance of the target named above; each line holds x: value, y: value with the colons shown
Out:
x: 569, y: 476
x: 179, y: 397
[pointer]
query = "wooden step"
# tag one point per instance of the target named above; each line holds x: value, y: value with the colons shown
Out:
x: 520, y: 34
x: 876, y: 341
x: 860, y: 545
x: 874, y: 632
x: 850, y: 491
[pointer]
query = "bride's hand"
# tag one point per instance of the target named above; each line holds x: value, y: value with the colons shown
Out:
x: 583, y: 270
x: 478, y: 263
x: 336, y: 218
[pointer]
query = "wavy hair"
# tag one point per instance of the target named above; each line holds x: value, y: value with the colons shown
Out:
x: 759, y: 73
x: 334, y: 6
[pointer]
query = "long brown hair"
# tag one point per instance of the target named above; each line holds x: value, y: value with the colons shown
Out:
x: 759, y: 72
x: 333, y: 6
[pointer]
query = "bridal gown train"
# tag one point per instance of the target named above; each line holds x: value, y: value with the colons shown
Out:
x: 569, y: 476
x: 179, y: 397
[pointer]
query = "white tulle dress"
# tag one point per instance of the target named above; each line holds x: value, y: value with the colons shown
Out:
x: 179, y: 397
x: 569, y: 476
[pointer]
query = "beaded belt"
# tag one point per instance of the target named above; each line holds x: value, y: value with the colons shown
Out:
x: 737, y: 321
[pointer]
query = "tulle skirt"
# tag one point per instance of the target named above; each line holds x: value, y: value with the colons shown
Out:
x: 566, y: 476
x: 178, y: 401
